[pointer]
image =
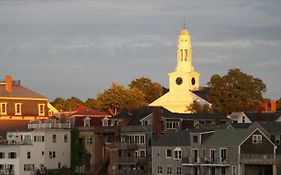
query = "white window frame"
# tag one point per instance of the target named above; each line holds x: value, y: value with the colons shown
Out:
x: 142, y: 139
x: 193, y: 156
x: 233, y: 170
x: 16, y: 107
x: 210, y: 153
x: 89, y: 140
x: 256, y: 138
x: 177, y: 154
x: 41, y: 112
x: 3, y: 108
x: 167, y: 153
x: 221, y: 154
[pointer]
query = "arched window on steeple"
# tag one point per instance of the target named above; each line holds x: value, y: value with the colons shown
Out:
x: 181, y: 55
x: 186, y: 55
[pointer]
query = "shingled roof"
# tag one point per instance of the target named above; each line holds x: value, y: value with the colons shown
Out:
x: 19, y: 91
x: 171, y: 138
x: 195, y: 116
x: 263, y: 116
x: 227, y: 137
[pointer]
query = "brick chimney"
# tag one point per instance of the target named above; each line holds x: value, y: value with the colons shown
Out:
x: 8, y: 83
x: 264, y: 106
x: 157, y: 123
x: 273, y: 106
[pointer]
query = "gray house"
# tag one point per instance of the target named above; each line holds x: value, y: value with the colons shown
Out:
x: 220, y: 152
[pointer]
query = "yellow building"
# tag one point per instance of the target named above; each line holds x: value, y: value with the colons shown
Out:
x: 182, y: 81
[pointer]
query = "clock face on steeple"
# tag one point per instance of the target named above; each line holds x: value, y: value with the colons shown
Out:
x: 179, y: 81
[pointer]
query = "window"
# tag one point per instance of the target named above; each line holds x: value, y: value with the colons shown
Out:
x: 18, y: 108
x: 223, y: 155
x: 195, y: 139
x: 142, y: 139
x: 42, y: 153
x: 12, y: 155
x: 177, y: 154
x: 172, y: 125
x: 38, y: 138
x: 223, y: 171
x: 3, y: 108
x: 234, y: 170
x: 65, y: 138
x: 142, y: 153
x: 89, y: 140
x: 87, y: 122
x: 28, y: 155
x: 41, y: 109
x: 169, y: 170
x: 54, y: 138
x: 159, y: 170
x: 137, y: 154
x: 213, y: 171
x: 168, y: 153
x: 179, y: 170
x: 105, y: 122
x: 243, y: 119
x: 257, y: 138
x: 212, y: 155
x: 28, y: 167
x: 2, y: 155
x: 52, y: 154
x: 137, y: 139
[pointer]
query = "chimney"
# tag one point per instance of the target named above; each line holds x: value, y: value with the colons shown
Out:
x: 8, y: 83
x: 264, y: 106
x: 157, y: 122
x: 273, y: 106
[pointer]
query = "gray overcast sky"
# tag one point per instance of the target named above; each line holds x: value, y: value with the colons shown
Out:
x: 63, y: 48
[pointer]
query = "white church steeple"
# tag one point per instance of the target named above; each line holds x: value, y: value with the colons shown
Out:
x: 184, y: 52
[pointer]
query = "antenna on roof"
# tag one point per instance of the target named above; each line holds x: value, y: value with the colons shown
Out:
x: 184, y: 21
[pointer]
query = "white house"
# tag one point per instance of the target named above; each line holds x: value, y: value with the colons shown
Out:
x: 46, y: 146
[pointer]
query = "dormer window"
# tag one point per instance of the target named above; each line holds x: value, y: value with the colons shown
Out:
x: 3, y: 108
x: 195, y: 139
x: 18, y: 108
x: 41, y: 109
x: 105, y: 121
x: 87, y: 122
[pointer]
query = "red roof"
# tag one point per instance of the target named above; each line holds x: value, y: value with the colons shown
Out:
x: 86, y: 111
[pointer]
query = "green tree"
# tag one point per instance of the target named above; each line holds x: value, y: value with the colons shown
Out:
x: 151, y: 90
x: 91, y: 102
x: 236, y: 91
x: 117, y: 98
x: 58, y: 103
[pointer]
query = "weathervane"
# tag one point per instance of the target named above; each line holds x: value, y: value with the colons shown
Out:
x: 184, y: 21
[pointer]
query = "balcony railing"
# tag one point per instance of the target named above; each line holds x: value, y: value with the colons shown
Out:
x: 205, y: 161
x: 49, y: 126
x: 124, y: 145
x: 260, y: 158
x: 7, y: 172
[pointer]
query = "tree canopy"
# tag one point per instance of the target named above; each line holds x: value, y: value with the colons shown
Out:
x: 236, y: 91
x: 117, y: 98
x: 66, y: 105
x: 196, y: 107
x: 151, y: 90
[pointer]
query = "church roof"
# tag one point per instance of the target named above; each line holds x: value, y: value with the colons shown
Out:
x: 184, y: 32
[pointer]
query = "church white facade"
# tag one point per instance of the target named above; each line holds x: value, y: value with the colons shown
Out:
x: 182, y: 81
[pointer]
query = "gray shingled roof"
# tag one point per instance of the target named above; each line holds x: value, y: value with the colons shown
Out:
x: 271, y: 127
x: 171, y: 138
x: 227, y: 137
x: 196, y: 116
x: 263, y: 116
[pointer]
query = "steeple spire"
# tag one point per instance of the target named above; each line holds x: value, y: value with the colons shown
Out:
x: 184, y: 22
